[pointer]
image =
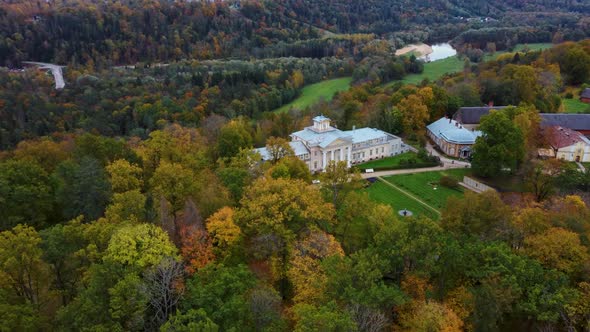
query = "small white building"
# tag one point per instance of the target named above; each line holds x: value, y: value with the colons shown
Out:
x: 568, y: 144
x: 321, y: 143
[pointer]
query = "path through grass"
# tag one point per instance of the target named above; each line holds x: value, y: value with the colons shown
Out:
x: 313, y: 93
x: 426, y: 187
x: 385, y: 194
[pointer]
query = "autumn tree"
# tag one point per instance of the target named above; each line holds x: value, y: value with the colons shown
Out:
x: 224, y: 232
x: 337, y: 180
x: 124, y: 176
x: 282, y: 210
x: 415, y: 114
x: 432, y: 316
x: 559, y: 249
x: 139, y: 246
x: 278, y: 148
x: 24, y: 276
x: 482, y: 215
x: 305, y: 273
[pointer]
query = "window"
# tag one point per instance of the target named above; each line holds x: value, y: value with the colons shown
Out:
x: 371, y: 152
x: 382, y: 149
x: 315, y: 165
x: 315, y: 153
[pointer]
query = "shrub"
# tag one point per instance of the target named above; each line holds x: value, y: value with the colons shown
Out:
x: 569, y: 95
x: 449, y: 182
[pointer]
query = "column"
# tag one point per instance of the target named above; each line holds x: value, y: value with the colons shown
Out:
x: 324, y: 162
x: 332, y: 155
x: 342, y: 154
x: 348, y: 159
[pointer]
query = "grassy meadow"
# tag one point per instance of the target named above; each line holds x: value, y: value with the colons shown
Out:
x: 574, y: 105
x: 313, y: 93
x: 437, y: 69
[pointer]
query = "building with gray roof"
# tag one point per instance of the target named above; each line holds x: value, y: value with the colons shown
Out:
x: 470, y: 117
x: 321, y: 143
x: 452, y: 137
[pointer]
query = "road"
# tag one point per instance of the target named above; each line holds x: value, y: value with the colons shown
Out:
x: 56, y: 70
x: 447, y: 164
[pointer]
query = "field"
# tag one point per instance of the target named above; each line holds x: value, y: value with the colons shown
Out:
x: 313, y: 93
x: 437, y: 69
x: 419, y: 185
x: 390, y: 161
x: 574, y: 105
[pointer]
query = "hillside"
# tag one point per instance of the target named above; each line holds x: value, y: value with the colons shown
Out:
x: 99, y: 33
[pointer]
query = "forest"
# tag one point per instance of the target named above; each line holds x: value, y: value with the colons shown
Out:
x: 181, y: 228
x: 132, y: 199
x: 106, y: 33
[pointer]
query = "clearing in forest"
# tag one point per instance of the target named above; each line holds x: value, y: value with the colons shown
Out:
x: 313, y: 93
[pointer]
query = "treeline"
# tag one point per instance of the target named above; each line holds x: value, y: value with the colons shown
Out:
x: 105, y: 234
x: 135, y: 101
x: 102, y: 34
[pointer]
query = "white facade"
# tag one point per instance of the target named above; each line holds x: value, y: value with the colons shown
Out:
x: 579, y: 152
x: 321, y: 143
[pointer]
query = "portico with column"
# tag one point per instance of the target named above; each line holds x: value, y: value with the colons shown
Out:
x: 321, y: 143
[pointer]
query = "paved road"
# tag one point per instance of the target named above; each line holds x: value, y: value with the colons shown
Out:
x: 448, y: 164
x: 55, y: 70
x: 412, y: 170
x: 443, y: 158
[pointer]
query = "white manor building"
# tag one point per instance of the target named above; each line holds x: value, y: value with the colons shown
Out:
x: 321, y: 143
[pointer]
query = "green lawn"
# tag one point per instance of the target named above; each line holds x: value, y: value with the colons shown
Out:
x: 574, y: 105
x: 519, y: 48
x: 434, y: 70
x: 419, y: 185
x: 422, y: 186
x: 390, y: 161
x: 313, y: 93
x: 384, y: 194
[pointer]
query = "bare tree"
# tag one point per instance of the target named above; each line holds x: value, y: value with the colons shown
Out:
x: 368, y: 319
x: 265, y: 304
x: 164, y: 286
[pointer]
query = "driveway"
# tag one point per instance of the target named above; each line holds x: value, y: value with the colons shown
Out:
x: 447, y: 164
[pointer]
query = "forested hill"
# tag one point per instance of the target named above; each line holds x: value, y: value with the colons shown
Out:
x: 106, y: 33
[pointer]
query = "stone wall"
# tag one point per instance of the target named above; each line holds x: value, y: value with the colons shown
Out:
x: 475, y: 185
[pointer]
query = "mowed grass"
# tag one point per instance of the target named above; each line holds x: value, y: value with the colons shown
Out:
x: 422, y: 186
x: 384, y: 194
x: 390, y: 161
x: 574, y: 105
x: 313, y: 93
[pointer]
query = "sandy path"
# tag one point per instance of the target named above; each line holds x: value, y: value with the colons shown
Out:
x: 422, y: 49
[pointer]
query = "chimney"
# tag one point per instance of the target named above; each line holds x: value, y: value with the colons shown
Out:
x: 353, y: 128
x: 491, y: 104
x: 450, y: 121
